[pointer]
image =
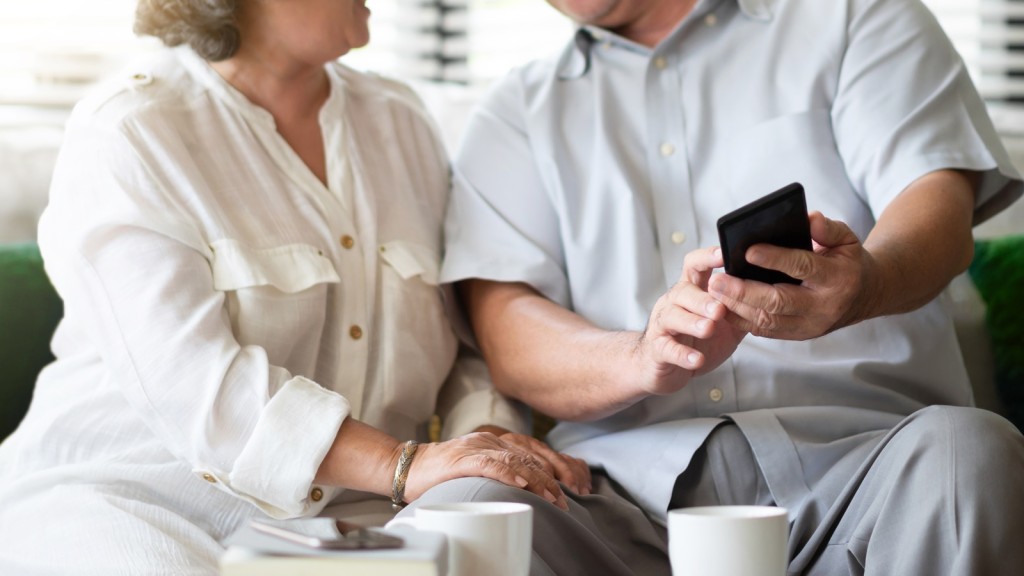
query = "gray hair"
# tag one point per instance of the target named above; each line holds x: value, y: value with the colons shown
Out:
x: 209, y: 27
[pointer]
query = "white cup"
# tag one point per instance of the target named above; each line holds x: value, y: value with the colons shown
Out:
x: 728, y: 541
x: 492, y: 538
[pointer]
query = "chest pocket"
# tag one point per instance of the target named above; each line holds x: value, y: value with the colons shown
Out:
x: 796, y: 148
x: 276, y: 298
x: 419, y: 345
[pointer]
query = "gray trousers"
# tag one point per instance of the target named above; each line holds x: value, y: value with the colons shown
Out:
x: 942, y: 493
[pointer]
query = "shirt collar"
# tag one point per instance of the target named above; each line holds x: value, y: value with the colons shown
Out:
x: 575, y: 60
x: 223, y: 91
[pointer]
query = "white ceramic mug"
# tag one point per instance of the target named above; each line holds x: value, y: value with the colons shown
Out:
x: 728, y: 541
x: 492, y: 538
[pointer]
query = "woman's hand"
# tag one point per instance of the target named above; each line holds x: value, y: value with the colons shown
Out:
x: 566, y: 469
x: 480, y: 454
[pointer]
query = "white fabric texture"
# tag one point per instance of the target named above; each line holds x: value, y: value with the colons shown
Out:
x: 590, y: 175
x: 225, y: 312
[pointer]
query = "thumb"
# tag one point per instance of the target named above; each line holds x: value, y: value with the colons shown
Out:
x: 829, y: 233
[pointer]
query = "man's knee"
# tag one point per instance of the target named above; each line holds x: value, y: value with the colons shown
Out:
x: 976, y: 438
x: 474, y: 489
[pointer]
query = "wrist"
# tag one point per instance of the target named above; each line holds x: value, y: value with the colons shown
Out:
x: 869, y: 299
x: 401, y: 473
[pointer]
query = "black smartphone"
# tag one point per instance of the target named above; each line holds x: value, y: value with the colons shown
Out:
x: 779, y: 218
x: 328, y: 534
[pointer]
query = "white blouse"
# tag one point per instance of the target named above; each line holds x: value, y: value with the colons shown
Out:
x: 225, y: 311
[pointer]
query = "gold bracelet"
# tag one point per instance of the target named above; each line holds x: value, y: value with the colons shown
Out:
x: 402, y: 474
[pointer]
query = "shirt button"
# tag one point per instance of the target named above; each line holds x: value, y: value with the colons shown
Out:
x: 715, y: 394
x: 355, y: 332
x: 667, y: 149
x: 660, y: 63
x: 209, y: 478
x: 711, y: 19
x: 141, y: 79
x: 678, y: 237
x: 347, y: 242
x: 316, y: 494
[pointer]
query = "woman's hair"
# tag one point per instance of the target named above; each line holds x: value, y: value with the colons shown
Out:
x: 209, y: 27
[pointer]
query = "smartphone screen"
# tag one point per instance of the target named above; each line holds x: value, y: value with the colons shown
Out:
x: 778, y: 218
x: 328, y: 534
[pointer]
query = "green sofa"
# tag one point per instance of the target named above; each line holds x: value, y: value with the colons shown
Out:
x: 30, y: 310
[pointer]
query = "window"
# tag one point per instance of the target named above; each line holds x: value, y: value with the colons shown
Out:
x: 989, y: 34
x: 50, y: 50
x: 465, y: 41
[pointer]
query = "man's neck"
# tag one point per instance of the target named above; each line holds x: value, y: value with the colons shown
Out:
x: 657, y: 23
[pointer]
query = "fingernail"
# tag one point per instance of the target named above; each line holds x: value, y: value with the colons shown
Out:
x: 550, y: 497
x: 693, y: 358
x: 521, y: 481
x: 704, y: 324
x: 711, y: 307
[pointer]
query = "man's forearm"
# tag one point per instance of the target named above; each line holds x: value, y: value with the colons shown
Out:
x: 921, y: 241
x: 549, y: 357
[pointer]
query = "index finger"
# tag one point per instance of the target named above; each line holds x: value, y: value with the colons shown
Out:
x: 697, y: 264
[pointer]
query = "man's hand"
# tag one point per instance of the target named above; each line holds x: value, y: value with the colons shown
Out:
x: 687, y: 334
x: 836, y: 291
x: 920, y: 242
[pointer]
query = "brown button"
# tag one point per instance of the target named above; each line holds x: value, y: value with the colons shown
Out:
x: 347, y: 242
x: 355, y: 332
x: 316, y: 494
x: 209, y: 478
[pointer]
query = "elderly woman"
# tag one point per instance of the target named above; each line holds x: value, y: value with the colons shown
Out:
x: 246, y: 236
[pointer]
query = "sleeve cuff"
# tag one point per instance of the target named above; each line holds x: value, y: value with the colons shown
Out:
x: 275, y: 470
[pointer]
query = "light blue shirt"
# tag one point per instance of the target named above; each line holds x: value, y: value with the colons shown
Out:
x: 590, y: 181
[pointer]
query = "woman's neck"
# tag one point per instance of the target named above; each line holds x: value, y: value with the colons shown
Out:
x: 289, y: 92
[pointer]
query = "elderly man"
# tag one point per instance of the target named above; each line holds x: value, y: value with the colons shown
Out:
x: 582, y: 233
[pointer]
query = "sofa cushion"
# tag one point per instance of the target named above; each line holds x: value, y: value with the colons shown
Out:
x: 29, y: 312
x: 998, y: 273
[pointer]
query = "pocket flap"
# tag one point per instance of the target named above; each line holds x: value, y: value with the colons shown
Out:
x: 409, y: 259
x: 291, y: 268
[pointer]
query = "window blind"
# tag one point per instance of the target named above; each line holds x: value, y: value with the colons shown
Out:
x: 461, y: 41
x: 989, y: 34
x: 51, y: 50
